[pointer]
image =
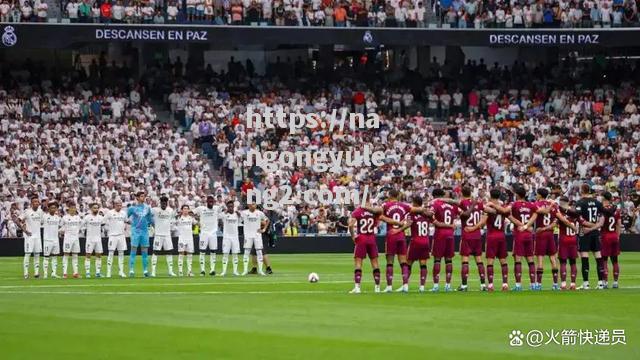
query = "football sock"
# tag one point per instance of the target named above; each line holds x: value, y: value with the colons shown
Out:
x: 449, y: 270
x: 154, y: 263
x: 605, y: 266
x: 36, y: 264
x: 45, y: 266
x: 357, y: 276
x: 539, y: 273
x: 132, y: 258
x: 585, y: 268
x: 180, y: 263
x: 212, y: 261
x: 481, y: 272
x: 202, y: 260
x: 376, y: 276
x: 54, y: 265
x: 464, y: 273
x: 121, y: 260
x: 616, y: 267
x: 98, y: 265
x: 405, y: 273
x: 436, y: 272
x: 245, y: 260
x: 423, y: 274
x: 554, y: 274
x: 225, y: 262
x: 532, y: 272
x: 170, y: 263
x: 260, y: 259
x: 235, y: 263
x: 87, y: 265
x: 574, y: 270
x: 563, y: 270
x: 517, y: 271
x: 109, y: 261
x: 25, y: 263
x: 505, y: 273
x: 145, y: 259
x: 65, y: 264
x: 490, y: 274
x: 389, y: 274
x: 189, y: 263
x: 74, y: 263
x: 600, y: 267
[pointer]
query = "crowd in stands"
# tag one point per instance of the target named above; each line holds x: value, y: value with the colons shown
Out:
x: 340, y: 13
x: 63, y: 140
x: 556, y: 125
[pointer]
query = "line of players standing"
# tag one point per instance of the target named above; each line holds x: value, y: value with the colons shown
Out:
x: 71, y: 225
x: 587, y: 225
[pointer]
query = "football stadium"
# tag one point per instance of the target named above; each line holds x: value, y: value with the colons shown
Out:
x: 304, y: 179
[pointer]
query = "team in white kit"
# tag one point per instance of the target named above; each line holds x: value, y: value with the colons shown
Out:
x: 114, y: 220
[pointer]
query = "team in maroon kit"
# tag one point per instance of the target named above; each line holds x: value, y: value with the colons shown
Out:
x: 533, y: 238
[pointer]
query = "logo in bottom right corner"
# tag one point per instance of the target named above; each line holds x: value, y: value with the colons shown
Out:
x: 567, y: 337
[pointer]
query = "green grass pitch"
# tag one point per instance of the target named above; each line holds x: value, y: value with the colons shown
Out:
x: 285, y: 317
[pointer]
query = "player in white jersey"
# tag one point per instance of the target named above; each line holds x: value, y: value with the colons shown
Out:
x: 230, y: 240
x: 208, y: 216
x: 51, y: 225
x: 93, y: 222
x: 115, y: 220
x: 184, y: 225
x: 255, y: 223
x: 71, y: 225
x: 163, y: 218
x: 30, y: 221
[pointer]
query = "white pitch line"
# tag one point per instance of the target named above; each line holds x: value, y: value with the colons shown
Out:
x: 174, y: 292
x: 165, y: 284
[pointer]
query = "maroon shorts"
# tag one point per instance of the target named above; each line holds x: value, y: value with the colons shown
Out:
x: 568, y: 249
x: 365, y: 246
x: 471, y: 246
x: 610, y: 244
x: 443, y: 247
x: 396, y: 246
x: 418, y: 250
x: 523, y: 244
x: 545, y: 244
x: 496, y: 246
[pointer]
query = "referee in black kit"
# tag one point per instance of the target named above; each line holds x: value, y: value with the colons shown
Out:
x: 591, y: 211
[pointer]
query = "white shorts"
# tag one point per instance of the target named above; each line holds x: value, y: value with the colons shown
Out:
x: 230, y: 244
x: 185, y: 246
x: 71, y: 246
x: 32, y: 245
x: 208, y: 241
x: 93, y: 246
x: 253, y: 241
x: 117, y: 242
x: 51, y: 248
x: 162, y: 242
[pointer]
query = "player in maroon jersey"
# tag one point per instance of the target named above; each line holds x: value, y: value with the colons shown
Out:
x: 523, y: 215
x: 568, y: 223
x: 545, y: 244
x: 444, y: 214
x: 395, y: 241
x: 362, y: 226
x: 472, y: 219
x: 419, y: 246
x: 610, y: 235
x: 496, y: 243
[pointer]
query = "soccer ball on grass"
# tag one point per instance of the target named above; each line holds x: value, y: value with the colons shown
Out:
x: 314, y: 278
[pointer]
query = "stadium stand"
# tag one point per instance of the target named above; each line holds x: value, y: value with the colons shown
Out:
x: 371, y: 13
x: 477, y: 124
